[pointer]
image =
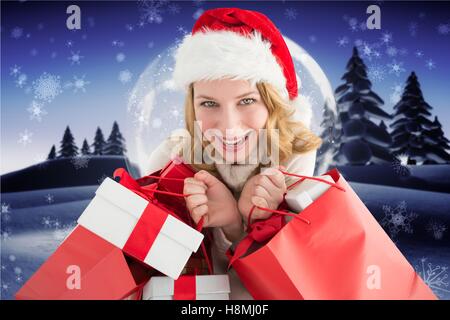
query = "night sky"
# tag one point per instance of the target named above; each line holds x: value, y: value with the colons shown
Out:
x: 118, y: 40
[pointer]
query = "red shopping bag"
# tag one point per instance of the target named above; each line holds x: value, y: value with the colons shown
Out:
x: 334, y: 249
x: 86, y: 267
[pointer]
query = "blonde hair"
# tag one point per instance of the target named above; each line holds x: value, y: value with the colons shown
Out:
x: 294, y: 137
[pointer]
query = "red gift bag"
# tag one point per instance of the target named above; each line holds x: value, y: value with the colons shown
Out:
x: 334, y: 249
x: 86, y: 267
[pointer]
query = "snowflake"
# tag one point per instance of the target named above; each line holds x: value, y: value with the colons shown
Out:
x: 140, y: 118
x: 14, y: 70
x: 353, y: 28
x: 419, y: 54
x: 150, y: 45
x: 290, y: 14
x: 16, y: 33
x: 198, y: 2
x: 48, y: 222
x: 75, y: 57
x: 312, y: 38
x: 141, y: 24
x: 363, y: 26
x: 53, y: 55
x: 391, y: 51
x: 386, y: 38
x: 156, y: 123
x: 396, y: 68
x: 129, y: 27
x: 434, y: 276
x: 69, y: 43
x: 152, y: 10
x: 125, y: 76
x: 182, y: 30
x: 436, y: 228
x: 173, y: 9
x: 397, y: 219
x: 80, y: 162
x: 376, y: 73
x: 399, y: 164
x: 430, y: 64
x: 21, y: 80
x: 358, y: 42
x: 34, y: 52
x: 25, y: 137
x: 443, y: 28
x: 6, y: 208
x: 117, y: 43
x: 36, y: 110
x: 367, y: 51
x: 352, y: 21
x: 5, y: 234
x: 342, y: 42
x: 78, y: 84
x: 61, y: 233
x: 120, y: 57
x: 413, y: 29
x: 403, y: 51
x: 49, y: 198
x: 47, y: 87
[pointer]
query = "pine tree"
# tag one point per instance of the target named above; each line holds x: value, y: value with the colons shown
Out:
x: 330, y: 136
x: 361, y: 140
x: 85, y: 149
x: 414, y: 134
x: 52, y: 154
x: 68, y: 147
x: 116, y: 142
x: 99, y: 142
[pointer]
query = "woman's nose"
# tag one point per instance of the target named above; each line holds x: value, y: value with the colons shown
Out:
x: 230, y: 119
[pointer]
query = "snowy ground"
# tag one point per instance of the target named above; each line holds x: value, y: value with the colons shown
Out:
x: 35, y: 222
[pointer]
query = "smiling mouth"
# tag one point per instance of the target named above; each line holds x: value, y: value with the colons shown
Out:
x: 234, y: 143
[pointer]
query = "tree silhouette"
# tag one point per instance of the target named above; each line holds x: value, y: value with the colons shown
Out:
x: 362, y: 141
x: 52, y: 154
x: 85, y: 149
x: 68, y: 147
x: 414, y: 134
x: 116, y: 142
x: 99, y: 142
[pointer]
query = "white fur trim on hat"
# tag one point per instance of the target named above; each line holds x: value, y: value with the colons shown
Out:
x: 212, y: 55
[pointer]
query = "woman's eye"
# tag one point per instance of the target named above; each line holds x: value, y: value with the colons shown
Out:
x: 208, y: 104
x: 248, y: 101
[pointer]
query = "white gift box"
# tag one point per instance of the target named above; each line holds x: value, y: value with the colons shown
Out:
x: 114, y: 213
x: 208, y: 287
x: 304, y: 193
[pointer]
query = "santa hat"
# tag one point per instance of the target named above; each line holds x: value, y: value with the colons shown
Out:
x: 242, y: 45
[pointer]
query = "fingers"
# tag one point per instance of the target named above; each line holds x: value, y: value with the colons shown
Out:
x: 276, y: 177
x: 199, y: 212
x: 207, y: 178
x: 196, y: 200
x: 258, y: 213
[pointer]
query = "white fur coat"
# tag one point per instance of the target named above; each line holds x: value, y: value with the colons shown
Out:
x: 234, y: 176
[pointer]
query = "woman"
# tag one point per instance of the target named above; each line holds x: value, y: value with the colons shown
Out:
x: 239, y: 80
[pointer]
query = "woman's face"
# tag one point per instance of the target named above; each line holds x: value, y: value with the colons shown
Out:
x: 229, y: 111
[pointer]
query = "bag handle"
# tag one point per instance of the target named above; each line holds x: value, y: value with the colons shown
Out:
x: 295, y: 215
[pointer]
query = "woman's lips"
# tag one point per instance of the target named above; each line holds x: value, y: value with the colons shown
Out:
x: 233, y: 145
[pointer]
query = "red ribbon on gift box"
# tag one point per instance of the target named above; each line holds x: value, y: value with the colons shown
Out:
x: 152, y: 219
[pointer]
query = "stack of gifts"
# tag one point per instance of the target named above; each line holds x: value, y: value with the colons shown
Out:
x: 330, y: 247
x: 132, y: 232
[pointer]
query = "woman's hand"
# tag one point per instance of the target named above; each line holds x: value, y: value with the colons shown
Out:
x: 213, y: 201
x: 264, y: 190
